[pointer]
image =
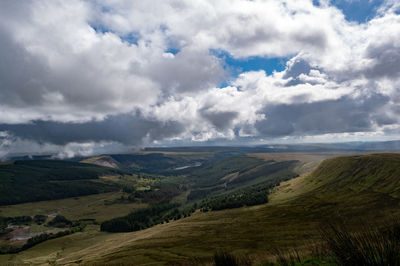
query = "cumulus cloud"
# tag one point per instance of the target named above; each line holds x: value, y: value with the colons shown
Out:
x: 80, y: 77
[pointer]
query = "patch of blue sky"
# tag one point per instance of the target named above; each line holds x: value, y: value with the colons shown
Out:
x: 172, y: 50
x: 316, y: 2
x: 131, y: 38
x: 360, y: 11
x: 236, y: 66
x: 99, y: 28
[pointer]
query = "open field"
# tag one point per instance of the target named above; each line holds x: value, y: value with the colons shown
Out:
x: 196, y: 236
x: 99, y: 206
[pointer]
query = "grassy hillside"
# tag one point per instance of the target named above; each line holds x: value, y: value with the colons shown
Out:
x: 352, y: 185
x: 353, y: 188
x: 27, y: 181
x: 372, y: 172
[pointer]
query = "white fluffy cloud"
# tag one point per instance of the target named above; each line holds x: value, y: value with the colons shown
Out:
x: 89, y: 72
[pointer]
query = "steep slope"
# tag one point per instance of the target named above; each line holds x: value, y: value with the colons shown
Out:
x: 354, y: 185
x: 371, y: 172
x: 358, y: 187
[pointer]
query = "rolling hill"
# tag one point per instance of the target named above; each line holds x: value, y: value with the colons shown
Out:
x: 353, y: 185
x: 151, y: 163
x: 351, y: 188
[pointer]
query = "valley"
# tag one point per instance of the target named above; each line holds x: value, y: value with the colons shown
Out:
x: 303, y: 190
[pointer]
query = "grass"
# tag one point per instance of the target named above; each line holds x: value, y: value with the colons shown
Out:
x: 195, y: 236
x: 291, y: 220
x: 86, y: 207
x: 223, y: 258
x: 35, y: 228
x: 367, y: 245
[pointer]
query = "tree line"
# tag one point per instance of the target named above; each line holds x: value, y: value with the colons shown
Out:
x: 245, y: 197
x: 147, y: 217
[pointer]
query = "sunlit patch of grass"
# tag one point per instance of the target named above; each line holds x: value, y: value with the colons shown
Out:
x: 36, y: 228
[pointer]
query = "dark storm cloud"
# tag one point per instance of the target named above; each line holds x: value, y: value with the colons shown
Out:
x: 126, y: 129
x: 21, y: 74
x: 331, y: 116
x: 386, y: 60
x: 221, y: 120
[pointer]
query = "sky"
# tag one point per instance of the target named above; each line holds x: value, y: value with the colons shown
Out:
x: 83, y: 77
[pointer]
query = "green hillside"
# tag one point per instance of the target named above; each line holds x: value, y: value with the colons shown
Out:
x: 357, y: 188
x: 27, y: 181
x: 372, y: 172
x: 352, y: 188
x: 354, y: 185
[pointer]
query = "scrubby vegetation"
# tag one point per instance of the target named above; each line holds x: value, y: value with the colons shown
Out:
x: 201, y: 193
x: 27, y: 181
x: 223, y: 258
x: 3, y: 226
x: 372, y: 245
x: 367, y: 245
x: 60, y: 222
x: 18, y: 220
x: 39, y: 218
x: 155, y: 195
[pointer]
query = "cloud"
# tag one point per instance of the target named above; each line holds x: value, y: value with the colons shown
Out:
x: 386, y: 59
x: 221, y: 120
x: 129, y: 129
x: 345, y: 114
x: 187, y: 71
x: 79, y: 77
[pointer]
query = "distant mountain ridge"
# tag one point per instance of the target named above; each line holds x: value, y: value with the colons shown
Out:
x: 393, y: 145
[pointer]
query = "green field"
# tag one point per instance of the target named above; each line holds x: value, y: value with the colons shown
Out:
x: 351, y: 188
x: 99, y: 206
